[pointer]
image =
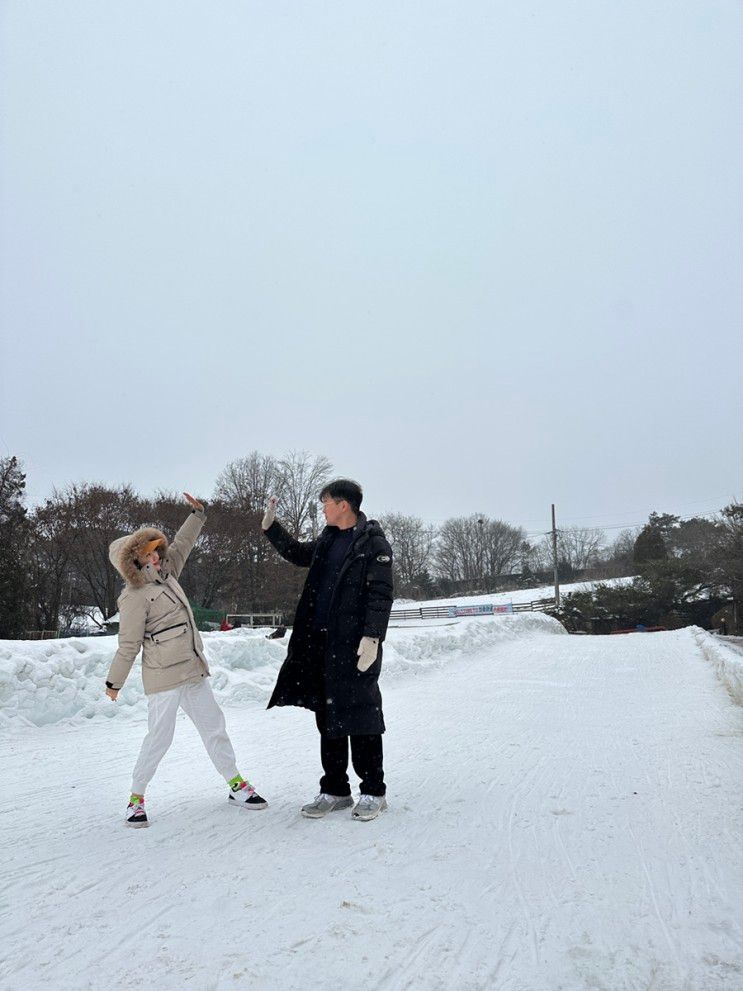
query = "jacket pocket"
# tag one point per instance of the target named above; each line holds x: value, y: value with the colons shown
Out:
x: 162, y: 636
x: 162, y: 604
x: 169, y: 647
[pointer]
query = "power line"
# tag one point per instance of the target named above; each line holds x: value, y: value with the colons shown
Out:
x: 631, y: 526
x: 599, y: 529
x: 688, y: 505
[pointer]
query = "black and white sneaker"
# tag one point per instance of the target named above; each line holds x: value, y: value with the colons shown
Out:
x: 244, y: 795
x: 135, y: 813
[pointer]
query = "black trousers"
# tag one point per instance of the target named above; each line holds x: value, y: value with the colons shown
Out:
x: 366, y: 755
x: 366, y: 750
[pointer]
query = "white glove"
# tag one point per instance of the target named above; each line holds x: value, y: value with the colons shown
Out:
x: 270, y: 515
x: 367, y: 652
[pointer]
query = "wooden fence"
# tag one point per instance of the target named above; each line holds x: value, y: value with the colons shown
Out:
x: 449, y: 611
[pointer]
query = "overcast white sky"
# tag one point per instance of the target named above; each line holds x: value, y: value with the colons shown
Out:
x: 483, y: 255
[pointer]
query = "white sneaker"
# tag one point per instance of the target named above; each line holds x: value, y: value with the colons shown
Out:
x: 326, y: 803
x: 135, y: 813
x: 245, y: 796
x: 368, y: 807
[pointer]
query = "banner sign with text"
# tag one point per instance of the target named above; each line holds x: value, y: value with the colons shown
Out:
x: 486, y: 609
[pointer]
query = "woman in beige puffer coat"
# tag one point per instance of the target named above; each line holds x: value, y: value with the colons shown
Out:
x: 155, y: 615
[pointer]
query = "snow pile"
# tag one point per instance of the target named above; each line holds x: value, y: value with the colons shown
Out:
x: 54, y: 680
x: 727, y: 660
x: 44, y: 682
x: 413, y: 649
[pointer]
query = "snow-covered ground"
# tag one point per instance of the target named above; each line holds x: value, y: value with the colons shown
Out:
x: 564, y: 815
x: 516, y: 596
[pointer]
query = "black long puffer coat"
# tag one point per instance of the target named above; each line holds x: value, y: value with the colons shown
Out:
x: 360, y: 607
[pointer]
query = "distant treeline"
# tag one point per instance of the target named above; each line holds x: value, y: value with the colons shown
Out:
x: 688, y: 572
x: 54, y: 557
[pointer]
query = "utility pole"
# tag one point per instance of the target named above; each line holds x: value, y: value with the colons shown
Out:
x: 481, y: 555
x: 554, y: 558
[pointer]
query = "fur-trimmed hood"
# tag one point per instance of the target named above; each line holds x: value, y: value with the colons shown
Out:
x: 124, y: 553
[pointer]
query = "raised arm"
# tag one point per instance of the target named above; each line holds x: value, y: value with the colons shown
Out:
x: 294, y: 551
x: 184, y: 540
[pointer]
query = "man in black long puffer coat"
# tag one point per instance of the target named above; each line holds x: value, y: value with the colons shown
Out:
x: 335, y: 651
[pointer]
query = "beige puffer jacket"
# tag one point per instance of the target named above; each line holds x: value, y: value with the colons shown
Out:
x: 155, y: 612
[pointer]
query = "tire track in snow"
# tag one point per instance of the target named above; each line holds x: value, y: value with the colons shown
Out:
x: 519, y: 794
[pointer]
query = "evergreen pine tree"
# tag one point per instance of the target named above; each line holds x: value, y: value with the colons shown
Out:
x: 13, y: 542
x: 650, y: 547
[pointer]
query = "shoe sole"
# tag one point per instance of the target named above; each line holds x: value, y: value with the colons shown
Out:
x: 373, y: 815
x: 338, y: 807
x: 137, y: 825
x: 244, y: 805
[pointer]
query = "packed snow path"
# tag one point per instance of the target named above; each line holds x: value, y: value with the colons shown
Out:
x: 564, y: 815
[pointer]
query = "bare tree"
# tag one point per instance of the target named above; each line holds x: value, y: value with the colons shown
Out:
x: 412, y: 545
x: 247, y: 482
x: 95, y: 516
x: 473, y: 548
x: 623, y: 546
x: 618, y: 558
x: 580, y: 548
x: 458, y: 549
x: 300, y: 479
x: 49, y: 562
x: 540, y: 554
x: 227, y: 566
x: 236, y: 546
x: 502, y: 550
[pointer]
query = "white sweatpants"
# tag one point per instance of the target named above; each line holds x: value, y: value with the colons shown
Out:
x: 198, y: 702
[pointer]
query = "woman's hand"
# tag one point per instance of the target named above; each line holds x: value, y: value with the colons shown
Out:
x: 112, y: 693
x: 194, y: 503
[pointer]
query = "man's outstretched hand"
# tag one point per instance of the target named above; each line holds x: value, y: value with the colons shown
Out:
x: 270, y: 514
x: 367, y: 652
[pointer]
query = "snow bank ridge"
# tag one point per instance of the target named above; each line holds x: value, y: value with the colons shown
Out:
x: 56, y: 680
x: 727, y: 661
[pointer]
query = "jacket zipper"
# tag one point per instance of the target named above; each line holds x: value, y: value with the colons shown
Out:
x: 165, y: 630
x: 187, y: 623
x: 347, y: 564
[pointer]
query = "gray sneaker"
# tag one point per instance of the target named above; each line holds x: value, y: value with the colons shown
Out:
x: 326, y: 803
x: 368, y: 807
